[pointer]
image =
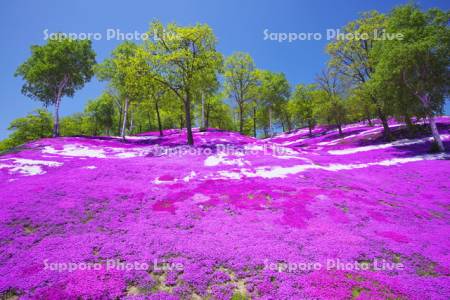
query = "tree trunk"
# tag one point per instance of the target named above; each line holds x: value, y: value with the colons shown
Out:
x: 386, y: 129
x: 435, y: 132
x: 61, y: 86
x: 56, y: 117
x: 289, y: 123
x: 159, y: 119
x: 149, y: 119
x: 119, y: 123
x: 339, y: 126
x: 270, y: 121
x: 409, y: 125
x: 368, y: 117
x: 241, y: 118
x: 254, y: 121
x: 208, y: 110
x: 131, y: 128
x: 125, y: 113
x: 310, y: 127
x: 425, y: 99
x: 202, y: 121
x: 382, y: 116
x: 187, y: 110
x: 95, y: 127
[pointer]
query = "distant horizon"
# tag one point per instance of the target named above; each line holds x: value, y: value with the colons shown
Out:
x: 26, y: 23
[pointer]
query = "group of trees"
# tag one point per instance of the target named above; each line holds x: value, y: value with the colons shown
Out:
x: 177, y: 78
x: 402, y: 73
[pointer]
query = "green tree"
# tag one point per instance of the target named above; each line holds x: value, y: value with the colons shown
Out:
x: 301, y: 105
x: 182, y: 59
x: 57, y: 69
x: 360, y: 106
x: 420, y: 59
x: 274, y: 92
x: 240, y: 78
x: 33, y: 126
x: 101, y: 113
x: 125, y: 71
x: 330, y: 103
x: 158, y: 96
x: 74, y: 124
x: 354, y: 58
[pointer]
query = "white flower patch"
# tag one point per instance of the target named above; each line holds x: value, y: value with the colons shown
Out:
x: 137, y: 138
x: 404, y: 142
x: 294, y: 157
x: 377, y: 128
x: 387, y: 162
x: 200, y: 198
x: 189, y: 177
x: 282, y: 172
x: 288, y: 135
x: 220, y: 158
x: 28, y: 167
x: 90, y: 167
x: 75, y: 150
x: 157, y: 181
x: 129, y: 154
x: 254, y: 148
x: 277, y: 171
x: 288, y: 143
x: 186, y: 178
x: 229, y: 175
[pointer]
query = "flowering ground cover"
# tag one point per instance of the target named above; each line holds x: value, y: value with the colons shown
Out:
x: 291, y: 217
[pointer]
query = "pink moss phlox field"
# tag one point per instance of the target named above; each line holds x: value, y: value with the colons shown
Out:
x: 232, y: 215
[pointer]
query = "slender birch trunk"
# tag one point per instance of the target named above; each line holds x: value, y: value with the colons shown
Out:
x: 125, y: 113
x: 159, y: 119
x: 425, y: 99
x: 56, y: 118
x: 187, y: 109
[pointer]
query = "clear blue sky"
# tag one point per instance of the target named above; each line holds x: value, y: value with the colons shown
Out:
x: 238, y: 25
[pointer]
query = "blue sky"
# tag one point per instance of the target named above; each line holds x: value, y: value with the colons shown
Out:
x: 239, y: 26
